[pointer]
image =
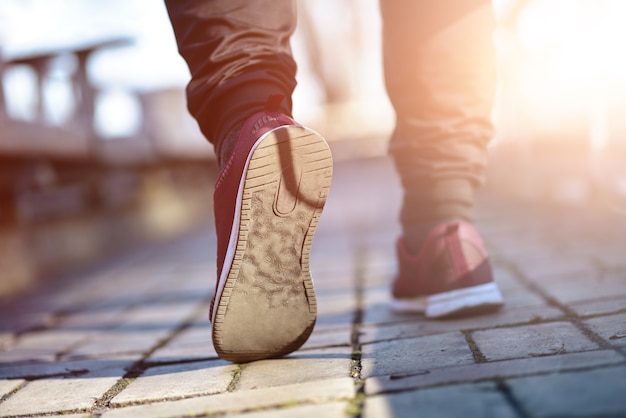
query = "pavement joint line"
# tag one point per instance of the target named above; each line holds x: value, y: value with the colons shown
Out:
x: 232, y: 385
x: 598, y: 315
x: 503, y: 387
x: 479, y: 357
x: 314, y: 348
x: 162, y: 400
x: 206, y: 414
x: 593, y: 336
x: 570, y: 314
x: 14, y: 391
x: 59, y: 355
x: 157, y: 363
x: 48, y: 324
x: 497, y: 378
x: 68, y: 373
x: 532, y: 321
x: 281, y: 406
x: 83, y: 357
x: 52, y: 322
x: 356, y: 405
x: 138, y: 368
x: 85, y: 413
x: 165, y: 399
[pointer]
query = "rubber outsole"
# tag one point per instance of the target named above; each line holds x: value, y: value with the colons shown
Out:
x: 266, y: 306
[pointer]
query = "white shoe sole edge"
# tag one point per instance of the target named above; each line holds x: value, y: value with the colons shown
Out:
x: 448, y: 303
x: 234, y: 233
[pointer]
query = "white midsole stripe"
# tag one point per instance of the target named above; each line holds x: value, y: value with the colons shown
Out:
x: 447, y: 302
x: 234, y: 232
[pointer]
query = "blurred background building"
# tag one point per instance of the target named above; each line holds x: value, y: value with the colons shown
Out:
x: 98, y: 153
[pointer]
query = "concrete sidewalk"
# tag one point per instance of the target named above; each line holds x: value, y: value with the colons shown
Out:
x: 131, y: 338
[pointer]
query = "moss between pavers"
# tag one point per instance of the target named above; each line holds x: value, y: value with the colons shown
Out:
x: 479, y: 357
x: 356, y: 404
x: 119, y: 386
x: 236, y: 376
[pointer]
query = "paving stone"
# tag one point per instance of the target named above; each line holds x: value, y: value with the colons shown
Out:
x: 324, y: 337
x: 478, y: 400
x: 91, y: 321
x: 336, y: 310
x: 239, y: 401
x: 609, y: 253
x: 187, y: 282
x: 63, y: 368
x: 337, y: 243
x: 491, y: 370
x: 612, y: 328
x: 543, y: 268
x: 611, y: 256
x: 515, y: 255
x: 415, y: 354
x: 40, y: 346
x: 123, y: 309
x: 312, y: 365
x: 493, y: 219
x: 598, y: 307
x: 56, y: 395
x: 357, y: 188
x: 163, y: 317
x: 327, y: 284
x: 332, y: 270
x: 515, y: 294
x: 597, y: 392
x: 7, y: 385
x: 417, y: 325
x: 532, y: 341
x: 187, y: 379
x: 113, y: 343
x: 175, y: 288
x: 326, y: 410
x: 141, y: 330
x: 193, y: 343
x: 111, y: 287
x: 581, y: 286
x: 376, y: 265
x: 516, y: 247
x: 376, y: 307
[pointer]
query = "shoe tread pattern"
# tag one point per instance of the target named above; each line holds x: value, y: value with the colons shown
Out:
x: 268, y: 307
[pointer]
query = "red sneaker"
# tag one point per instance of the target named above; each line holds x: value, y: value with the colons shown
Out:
x: 451, y: 275
x: 268, y: 200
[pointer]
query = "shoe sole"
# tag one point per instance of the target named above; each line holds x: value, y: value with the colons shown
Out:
x: 454, y: 303
x: 266, y: 306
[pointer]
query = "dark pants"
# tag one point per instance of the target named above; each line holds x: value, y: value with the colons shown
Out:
x: 439, y: 71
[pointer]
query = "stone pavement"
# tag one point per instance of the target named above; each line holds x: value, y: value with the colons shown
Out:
x: 130, y: 338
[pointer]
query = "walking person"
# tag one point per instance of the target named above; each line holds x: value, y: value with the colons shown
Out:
x: 275, y: 173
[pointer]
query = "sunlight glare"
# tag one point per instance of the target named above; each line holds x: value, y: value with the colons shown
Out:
x: 570, y: 66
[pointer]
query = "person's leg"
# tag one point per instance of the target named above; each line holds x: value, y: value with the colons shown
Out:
x: 238, y: 53
x: 440, y: 77
x: 274, y: 178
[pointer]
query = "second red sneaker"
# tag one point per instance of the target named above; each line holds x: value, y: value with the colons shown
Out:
x: 268, y: 200
x: 450, y: 276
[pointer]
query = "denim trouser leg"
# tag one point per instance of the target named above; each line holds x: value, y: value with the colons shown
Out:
x: 440, y: 76
x: 439, y: 71
x: 238, y: 53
